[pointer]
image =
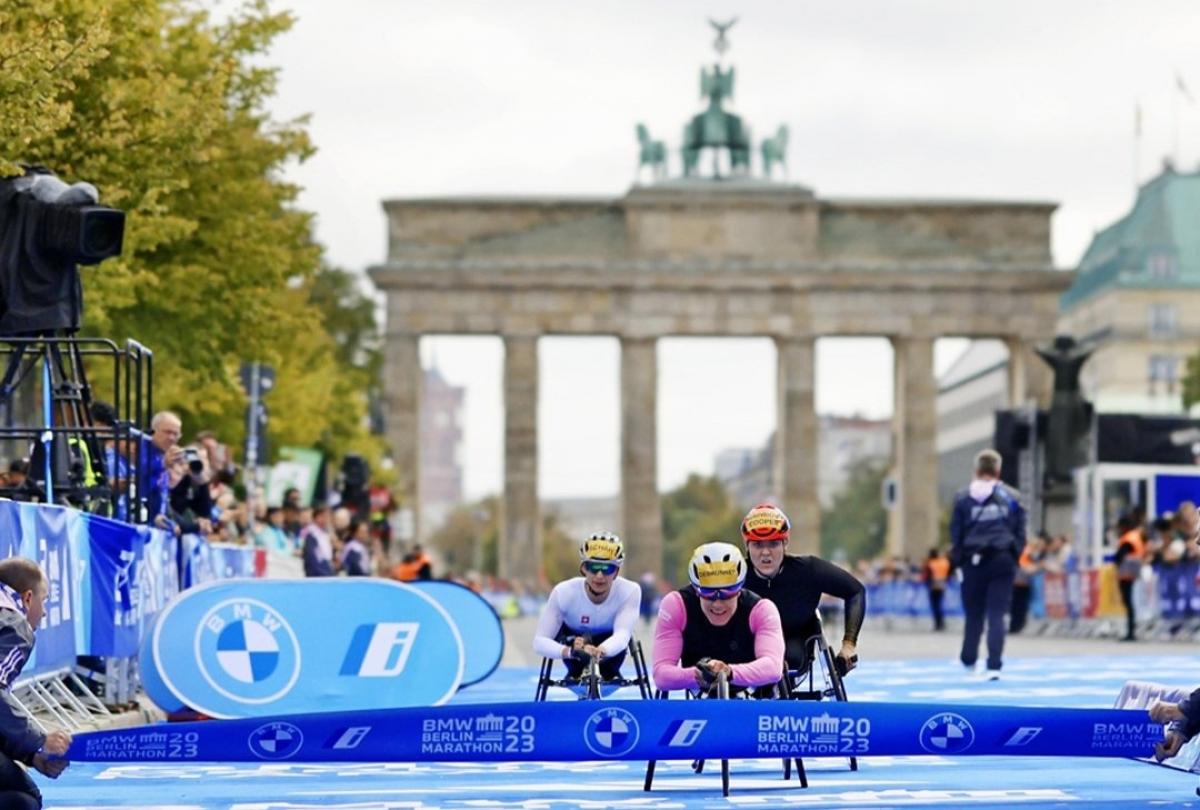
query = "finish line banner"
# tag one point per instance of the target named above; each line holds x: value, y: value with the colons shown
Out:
x: 636, y: 730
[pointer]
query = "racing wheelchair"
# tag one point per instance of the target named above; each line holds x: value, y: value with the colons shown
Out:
x: 804, y: 683
x: 720, y: 690
x: 590, y: 683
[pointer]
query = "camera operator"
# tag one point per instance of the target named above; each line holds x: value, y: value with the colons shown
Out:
x: 191, y: 499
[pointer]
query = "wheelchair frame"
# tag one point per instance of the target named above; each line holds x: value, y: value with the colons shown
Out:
x: 591, y: 681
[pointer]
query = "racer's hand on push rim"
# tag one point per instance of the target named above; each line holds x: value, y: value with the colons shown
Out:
x: 848, y: 654
x: 707, y: 674
x: 1169, y: 747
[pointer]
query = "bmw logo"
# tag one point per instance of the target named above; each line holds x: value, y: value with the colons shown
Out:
x: 247, y: 651
x: 947, y: 733
x: 611, y: 732
x: 275, y: 741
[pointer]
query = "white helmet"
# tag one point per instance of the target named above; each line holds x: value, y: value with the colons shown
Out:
x: 602, y: 547
x: 717, y: 565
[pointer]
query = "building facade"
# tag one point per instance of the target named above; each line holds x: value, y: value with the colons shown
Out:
x: 1136, y: 295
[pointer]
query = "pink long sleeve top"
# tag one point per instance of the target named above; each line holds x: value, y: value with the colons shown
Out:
x: 765, y: 669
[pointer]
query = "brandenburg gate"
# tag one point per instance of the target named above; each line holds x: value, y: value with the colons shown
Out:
x: 714, y: 257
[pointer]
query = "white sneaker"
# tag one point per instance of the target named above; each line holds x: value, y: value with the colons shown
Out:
x: 993, y: 675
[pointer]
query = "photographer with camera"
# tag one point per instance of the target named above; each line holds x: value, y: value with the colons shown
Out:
x: 191, y: 499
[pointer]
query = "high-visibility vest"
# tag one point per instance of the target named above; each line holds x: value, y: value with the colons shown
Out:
x: 1131, y: 565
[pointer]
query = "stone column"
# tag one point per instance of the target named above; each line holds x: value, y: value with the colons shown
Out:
x: 797, y: 467
x: 402, y: 391
x: 520, y: 553
x: 641, y: 513
x: 1028, y: 375
x: 915, y: 437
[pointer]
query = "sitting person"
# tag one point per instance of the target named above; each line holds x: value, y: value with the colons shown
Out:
x: 717, y: 626
x: 592, y: 614
x: 795, y: 584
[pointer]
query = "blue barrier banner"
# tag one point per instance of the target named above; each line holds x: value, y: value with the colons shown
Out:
x: 480, y: 627
x: 253, y: 647
x: 196, y: 564
x: 111, y: 551
x: 46, y: 537
x: 157, y: 575
x: 638, y: 730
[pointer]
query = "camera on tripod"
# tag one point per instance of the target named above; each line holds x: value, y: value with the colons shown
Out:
x: 47, y: 228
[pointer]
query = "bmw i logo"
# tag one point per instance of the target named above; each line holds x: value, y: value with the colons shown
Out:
x: 947, y: 733
x: 247, y: 651
x: 275, y: 741
x: 611, y: 732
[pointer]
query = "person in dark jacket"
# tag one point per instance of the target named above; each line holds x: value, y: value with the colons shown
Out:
x: 316, y: 543
x: 795, y: 584
x: 356, y: 556
x: 23, y: 591
x: 987, y: 535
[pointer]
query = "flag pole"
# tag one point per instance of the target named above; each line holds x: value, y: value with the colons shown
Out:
x: 1137, y: 143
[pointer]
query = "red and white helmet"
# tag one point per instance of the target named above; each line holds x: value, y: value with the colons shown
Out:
x: 765, y: 522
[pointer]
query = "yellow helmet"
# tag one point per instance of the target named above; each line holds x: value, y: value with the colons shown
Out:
x: 717, y: 565
x: 602, y: 547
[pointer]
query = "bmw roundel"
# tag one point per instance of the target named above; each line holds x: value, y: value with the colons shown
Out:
x: 947, y: 733
x: 611, y: 732
x: 275, y: 741
x: 247, y: 651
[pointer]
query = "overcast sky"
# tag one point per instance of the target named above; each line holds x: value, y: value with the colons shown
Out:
x: 1013, y: 100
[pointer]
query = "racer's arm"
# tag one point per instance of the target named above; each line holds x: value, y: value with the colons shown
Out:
x: 838, y: 582
x: 547, y: 628
x: 668, y: 645
x: 767, y: 666
x: 623, y: 624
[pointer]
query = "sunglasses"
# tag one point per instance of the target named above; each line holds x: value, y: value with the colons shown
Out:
x: 711, y: 594
x: 608, y: 569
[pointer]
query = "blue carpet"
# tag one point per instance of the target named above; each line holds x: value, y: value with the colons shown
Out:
x: 928, y: 781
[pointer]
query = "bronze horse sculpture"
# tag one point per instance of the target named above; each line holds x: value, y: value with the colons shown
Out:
x: 652, y: 153
x: 774, y: 150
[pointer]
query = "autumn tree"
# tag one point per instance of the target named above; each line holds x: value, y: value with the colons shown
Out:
x: 165, y: 113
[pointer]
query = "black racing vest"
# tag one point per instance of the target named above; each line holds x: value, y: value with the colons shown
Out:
x: 733, y: 643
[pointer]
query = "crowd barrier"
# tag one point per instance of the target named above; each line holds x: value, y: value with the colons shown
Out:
x: 108, y: 580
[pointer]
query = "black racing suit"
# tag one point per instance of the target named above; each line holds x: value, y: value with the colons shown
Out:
x: 796, y: 590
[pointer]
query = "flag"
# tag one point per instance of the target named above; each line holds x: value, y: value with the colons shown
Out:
x: 1137, y: 119
x: 1183, y: 88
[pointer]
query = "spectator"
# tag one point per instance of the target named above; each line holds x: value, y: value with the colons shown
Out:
x: 317, y: 545
x: 415, y: 565
x: 1131, y: 548
x: 116, y: 467
x: 271, y: 536
x: 293, y: 519
x: 1028, y: 567
x: 935, y: 573
x: 191, y: 498
x: 157, y: 455
x: 356, y: 556
x: 23, y: 591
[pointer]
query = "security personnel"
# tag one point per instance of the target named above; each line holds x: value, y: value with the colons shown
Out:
x: 987, y: 533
